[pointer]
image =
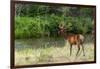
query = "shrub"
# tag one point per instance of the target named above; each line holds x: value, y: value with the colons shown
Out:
x: 39, y: 26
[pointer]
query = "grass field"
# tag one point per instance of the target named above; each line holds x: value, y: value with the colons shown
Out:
x: 50, y: 50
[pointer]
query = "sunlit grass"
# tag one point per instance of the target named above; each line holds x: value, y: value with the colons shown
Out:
x: 50, y: 53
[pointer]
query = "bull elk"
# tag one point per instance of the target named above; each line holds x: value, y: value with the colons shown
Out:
x: 73, y: 39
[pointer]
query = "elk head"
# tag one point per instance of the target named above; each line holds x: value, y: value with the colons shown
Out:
x: 61, y: 28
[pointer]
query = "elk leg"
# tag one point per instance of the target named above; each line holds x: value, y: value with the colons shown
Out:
x: 83, y: 50
x: 70, y: 49
x: 78, y: 50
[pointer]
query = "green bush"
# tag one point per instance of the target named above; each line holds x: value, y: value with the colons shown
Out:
x: 39, y: 26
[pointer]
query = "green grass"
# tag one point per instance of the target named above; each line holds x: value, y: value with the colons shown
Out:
x: 46, y: 51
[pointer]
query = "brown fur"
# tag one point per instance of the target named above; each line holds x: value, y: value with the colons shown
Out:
x: 73, y: 39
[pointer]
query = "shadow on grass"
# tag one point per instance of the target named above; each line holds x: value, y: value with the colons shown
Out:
x: 34, y: 43
x: 45, y: 42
